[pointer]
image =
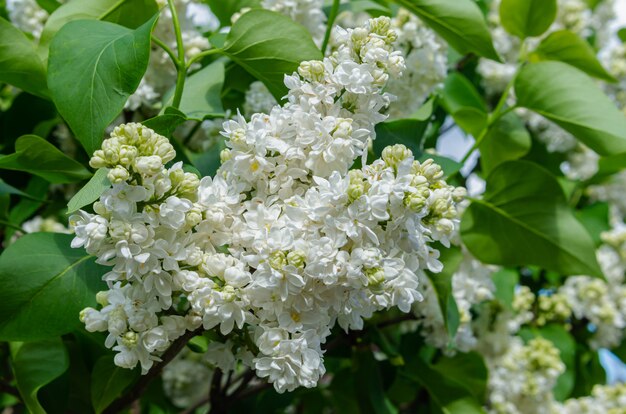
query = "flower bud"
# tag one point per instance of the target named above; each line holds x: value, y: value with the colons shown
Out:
x: 296, y: 258
x: 118, y: 175
x: 148, y: 165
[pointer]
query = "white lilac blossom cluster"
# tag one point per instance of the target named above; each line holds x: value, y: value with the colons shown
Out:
x: 194, y: 18
x: 604, y: 399
x: 426, y: 56
x: 603, y: 303
x: 285, y: 241
x: 521, y: 380
x: 142, y: 228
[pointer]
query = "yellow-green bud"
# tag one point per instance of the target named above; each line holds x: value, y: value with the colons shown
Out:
x: 225, y: 155
x: 395, y: 154
x: 296, y: 258
x: 118, y: 175
x: 129, y: 339
x: 277, y: 260
x: 312, y: 70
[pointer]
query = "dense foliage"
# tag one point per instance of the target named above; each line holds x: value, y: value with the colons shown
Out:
x: 272, y: 206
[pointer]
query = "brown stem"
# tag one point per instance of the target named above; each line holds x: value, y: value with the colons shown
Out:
x: 138, y: 389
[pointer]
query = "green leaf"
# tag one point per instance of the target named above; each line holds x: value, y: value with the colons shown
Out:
x: 108, y: 381
x: 368, y: 381
x: 507, y: 139
x: 36, y: 364
x: 524, y: 219
x: 572, y: 100
x: 442, y: 284
x: 468, y: 369
x: 568, y: 47
x: 224, y: 10
x: 407, y: 131
x: 595, y: 218
x: 269, y: 45
x: 128, y: 13
x: 165, y: 124
x: 566, y: 345
x: 589, y: 371
x: 202, y: 94
x: 621, y: 34
x: 527, y: 18
x: 464, y: 103
x: 610, y: 165
x: 505, y: 281
x: 90, y: 192
x: 49, y: 5
x: 37, y: 156
x: 451, y: 395
x: 459, y: 22
x: 94, y: 67
x: 20, y: 64
x: 9, y: 189
x: 45, y: 285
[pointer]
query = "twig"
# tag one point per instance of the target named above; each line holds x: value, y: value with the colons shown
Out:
x: 395, y: 321
x: 138, y: 389
x: 248, y: 392
x: 9, y: 389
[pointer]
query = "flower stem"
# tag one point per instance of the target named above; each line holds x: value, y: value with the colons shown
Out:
x: 181, y: 67
x: 334, y: 11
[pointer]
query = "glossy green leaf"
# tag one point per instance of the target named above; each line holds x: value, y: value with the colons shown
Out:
x: 269, y: 45
x: 589, y: 371
x: 449, y: 394
x: 459, y: 22
x: 595, y: 218
x: 45, y: 285
x: 505, y: 281
x: 468, y: 369
x: 94, y: 67
x: 568, y: 47
x: 108, y: 381
x: 527, y: 18
x: 572, y: 100
x: 91, y: 191
x: 49, y: 5
x: 407, y: 131
x: 36, y: 364
x: 610, y: 165
x: 20, y: 64
x: 202, y: 94
x: 224, y: 10
x: 368, y: 381
x: 37, y: 156
x: 128, y: 13
x: 524, y: 219
x: 442, y: 284
x: 167, y: 123
x: 9, y: 189
x: 507, y: 139
x: 464, y: 103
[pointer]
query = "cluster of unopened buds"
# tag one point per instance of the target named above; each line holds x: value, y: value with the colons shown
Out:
x: 286, y: 240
